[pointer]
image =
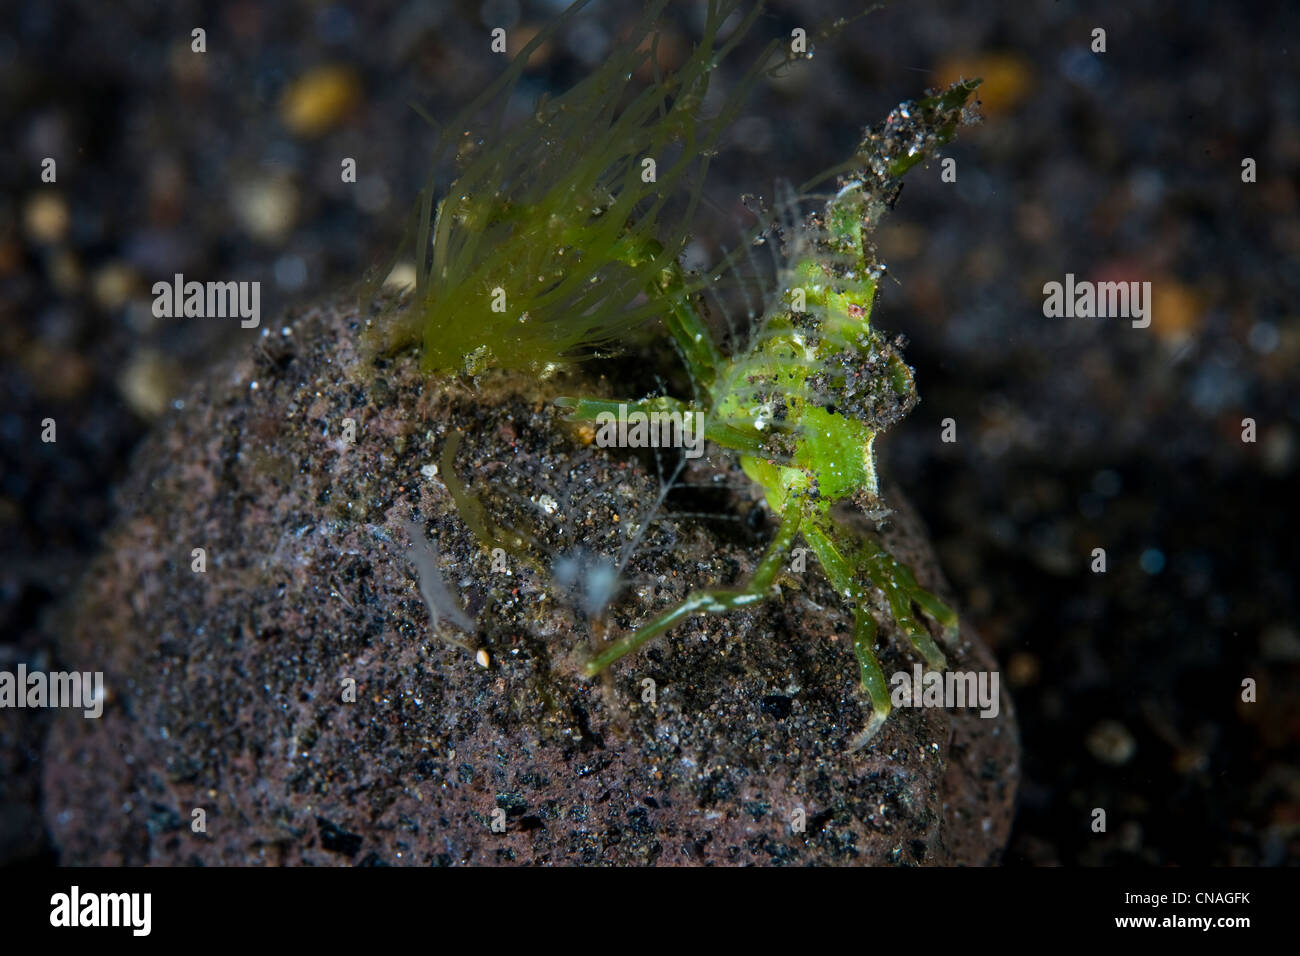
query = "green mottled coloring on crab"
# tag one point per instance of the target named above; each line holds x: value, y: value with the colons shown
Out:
x: 805, y: 401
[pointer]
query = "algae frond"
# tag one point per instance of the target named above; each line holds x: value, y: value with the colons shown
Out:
x: 549, y: 243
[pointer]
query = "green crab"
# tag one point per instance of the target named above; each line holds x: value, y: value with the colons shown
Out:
x: 804, y: 402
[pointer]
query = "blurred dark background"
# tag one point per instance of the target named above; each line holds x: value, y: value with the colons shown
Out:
x: 1073, y: 434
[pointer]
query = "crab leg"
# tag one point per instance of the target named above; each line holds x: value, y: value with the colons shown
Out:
x: 718, y: 601
x: 873, y: 678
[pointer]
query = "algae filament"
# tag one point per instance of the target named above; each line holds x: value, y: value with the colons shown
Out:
x: 544, y: 246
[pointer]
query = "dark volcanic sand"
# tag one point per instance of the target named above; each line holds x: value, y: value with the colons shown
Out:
x: 225, y: 686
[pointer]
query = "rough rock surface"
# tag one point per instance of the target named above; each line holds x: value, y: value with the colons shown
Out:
x: 226, y: 687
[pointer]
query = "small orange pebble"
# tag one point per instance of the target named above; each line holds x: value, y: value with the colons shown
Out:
x: 1023, y: 669
x: 10, y: 257
x: 46, y: 218
x: 1007, y: 78
x: 319, y: 99
x: 669, y: 52
x: 1177, y: 311
x: 520, y: 37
